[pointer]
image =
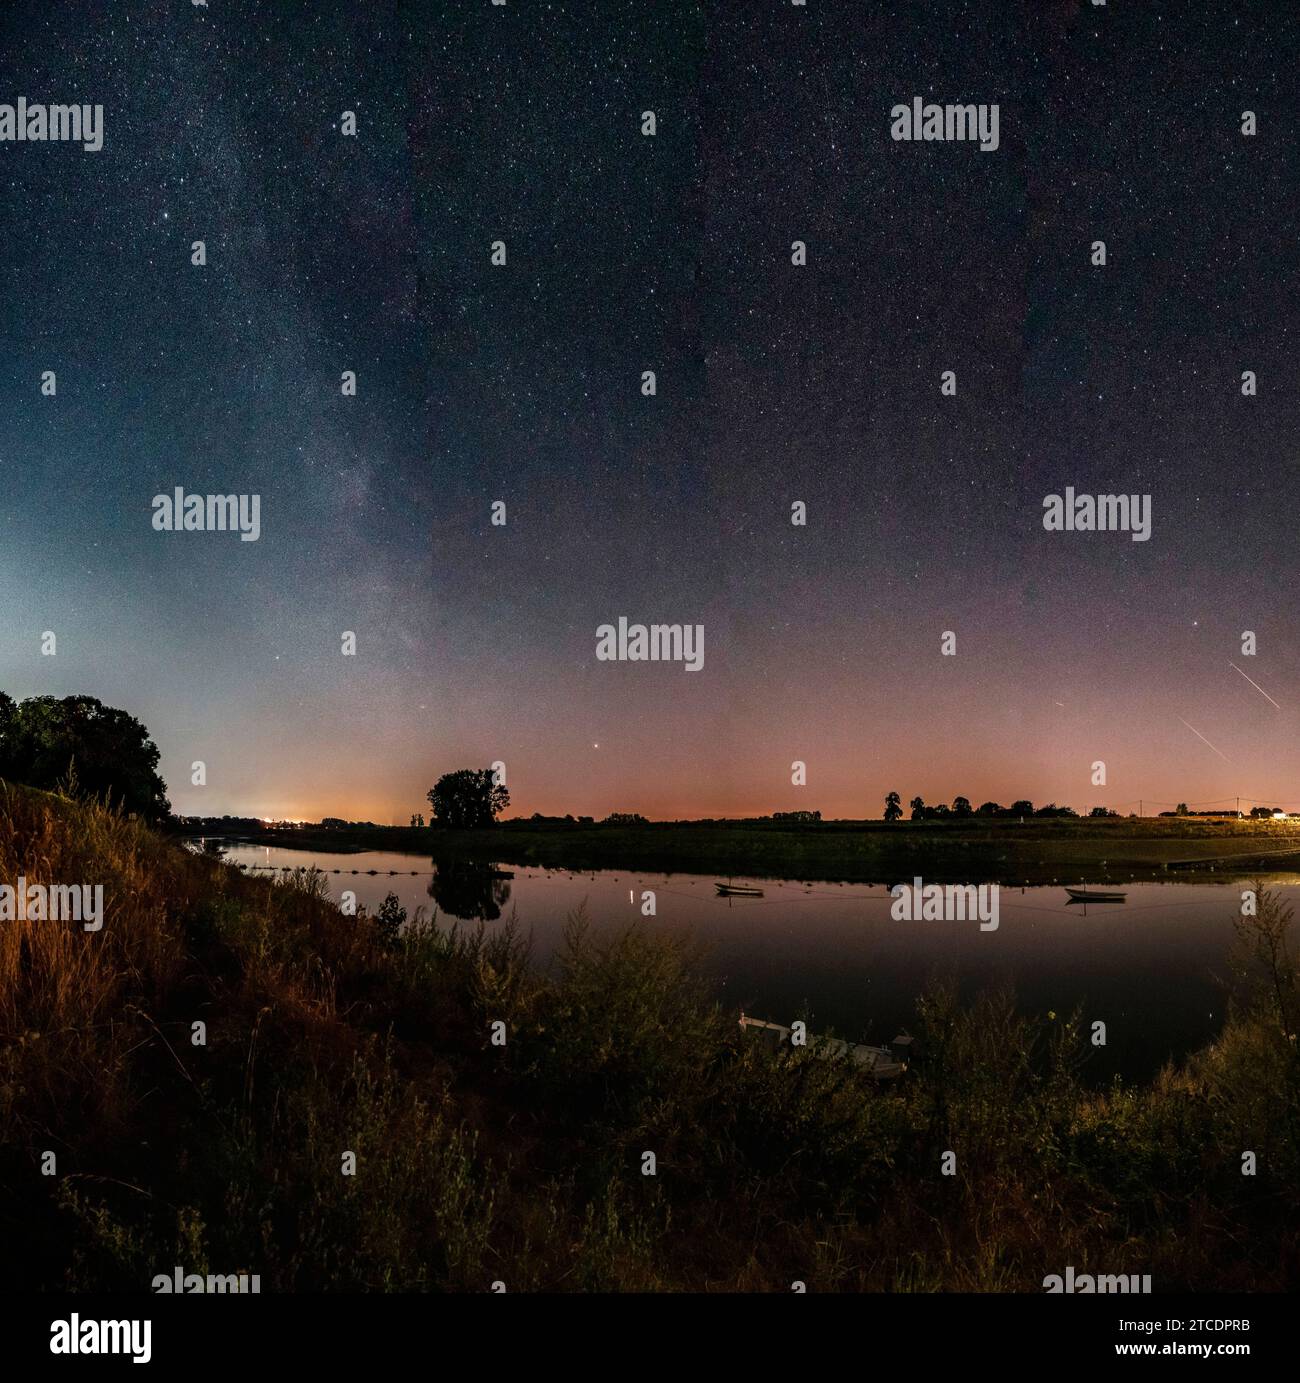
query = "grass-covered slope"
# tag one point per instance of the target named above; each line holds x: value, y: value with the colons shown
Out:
x: 524, y: 1163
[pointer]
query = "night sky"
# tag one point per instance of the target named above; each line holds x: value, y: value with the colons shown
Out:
x: 775, y: 383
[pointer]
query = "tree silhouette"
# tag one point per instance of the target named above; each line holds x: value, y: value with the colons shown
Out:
x: 102, y: 752
x: 961, y: 806
x: 468, y: 798
x: 918, y: 808
x: 893, y: 809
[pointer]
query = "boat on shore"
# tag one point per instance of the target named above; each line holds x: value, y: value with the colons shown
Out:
x: 884, y: 1063
x: 737, y: 891
x: 1095, y: 895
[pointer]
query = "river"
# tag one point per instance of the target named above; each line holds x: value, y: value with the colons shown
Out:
x: 1152, y: 969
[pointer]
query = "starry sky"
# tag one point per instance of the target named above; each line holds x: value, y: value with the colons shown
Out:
x: 775, y: 383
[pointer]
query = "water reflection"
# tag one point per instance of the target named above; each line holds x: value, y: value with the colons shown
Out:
x: 1149, y: 968
x: 470, y: 889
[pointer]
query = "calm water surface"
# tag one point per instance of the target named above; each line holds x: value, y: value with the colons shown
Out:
x: 1151, y: 968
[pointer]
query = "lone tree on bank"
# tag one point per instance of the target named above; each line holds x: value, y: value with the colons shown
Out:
x: 893, y: 809
x: 48, y: 742
x: 468, y: 798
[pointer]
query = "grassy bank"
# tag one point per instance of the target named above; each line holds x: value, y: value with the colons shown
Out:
x: 524, y: 1163
x: 1037, y: 851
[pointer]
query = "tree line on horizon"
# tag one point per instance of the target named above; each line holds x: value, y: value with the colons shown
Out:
x: 961, y: 808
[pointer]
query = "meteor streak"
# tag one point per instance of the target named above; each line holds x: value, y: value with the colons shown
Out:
x: 1203, y: 740
x: 1255, y: 684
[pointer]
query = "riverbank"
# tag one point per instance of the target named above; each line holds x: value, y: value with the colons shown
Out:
x: 1037, y: 851
x: 234, y: 1076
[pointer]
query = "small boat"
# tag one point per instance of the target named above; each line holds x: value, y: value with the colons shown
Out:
x: 1093, y: 895
x: 882, y: 1062
x: 737, y: 891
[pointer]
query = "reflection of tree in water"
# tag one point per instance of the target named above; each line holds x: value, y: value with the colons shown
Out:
x: 470, y: 889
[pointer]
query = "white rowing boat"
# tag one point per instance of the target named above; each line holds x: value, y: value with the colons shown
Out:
x: 883, y: 1062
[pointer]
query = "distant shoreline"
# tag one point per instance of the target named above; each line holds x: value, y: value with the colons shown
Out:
x: 1035, y: 851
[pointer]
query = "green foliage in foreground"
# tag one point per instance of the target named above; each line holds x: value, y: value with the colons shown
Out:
x: 523, y: 1163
